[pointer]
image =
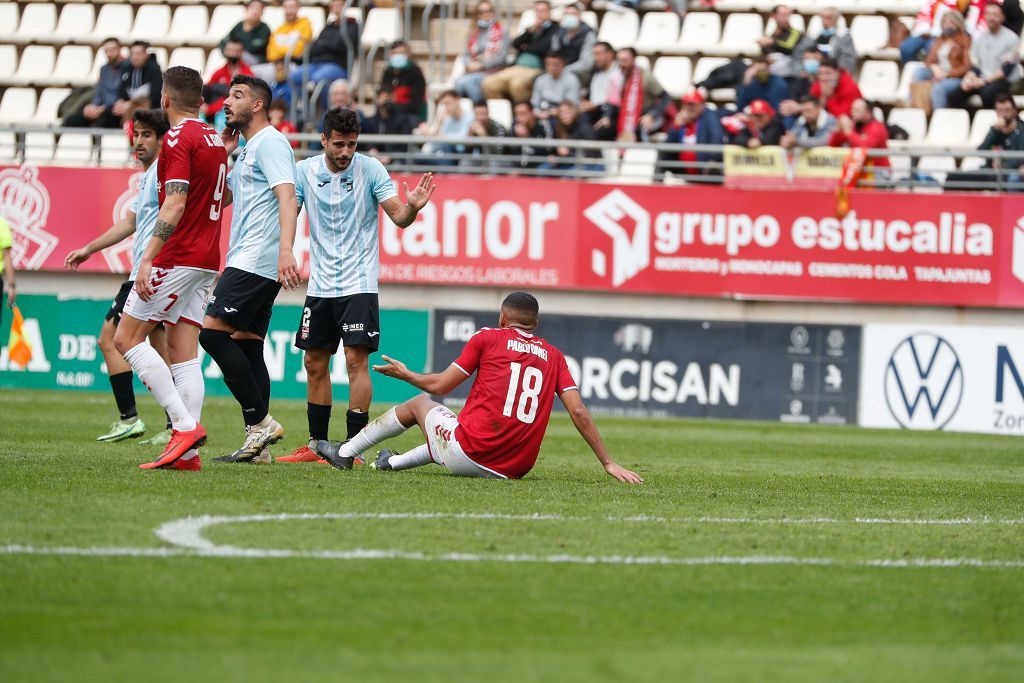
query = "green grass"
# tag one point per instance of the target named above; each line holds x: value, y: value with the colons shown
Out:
x: 300, y: 619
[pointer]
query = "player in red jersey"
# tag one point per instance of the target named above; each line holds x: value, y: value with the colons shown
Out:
x: 178, y: 268
x: 499, y: 433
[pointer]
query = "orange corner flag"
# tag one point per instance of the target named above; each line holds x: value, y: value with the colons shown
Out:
x: 18, y: 348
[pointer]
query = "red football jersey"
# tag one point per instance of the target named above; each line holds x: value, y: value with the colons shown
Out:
x: 193, y: 153
x: 506, y: 415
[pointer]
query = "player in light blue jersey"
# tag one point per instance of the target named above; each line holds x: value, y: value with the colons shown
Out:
x: 342, y: 190
x: 261, y: 188
x: 148, y: 128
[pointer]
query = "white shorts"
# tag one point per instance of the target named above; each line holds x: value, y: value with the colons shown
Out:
x: 445, y: 449
x: 180, y: 294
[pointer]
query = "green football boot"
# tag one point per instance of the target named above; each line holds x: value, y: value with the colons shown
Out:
x: 124, y: 429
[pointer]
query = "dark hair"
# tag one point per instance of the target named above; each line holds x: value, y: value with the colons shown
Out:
x: 398, y: 44
x: 111, y: 39
x: 234, y: 40
x: 543, y: 2
x: 154, y: 119
x: 631, y: 50
x: 522, y: 102
x: 556, y: 54
x: 522, y: 302
x: 804, y: 99
x: 278, y: 105
x: 994, y: 4
x: 1003, y: 98
x: 258, y: 86
x: 606, y: 45
x: 447, y: 93
x: 262, y: 2
x: 776, y: 9
x: 341, y: 121
x: 184, y: 86
x: 830, y: 62
x: 139, y: 43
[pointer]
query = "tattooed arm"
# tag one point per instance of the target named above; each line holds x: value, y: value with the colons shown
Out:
x: 176, y: 193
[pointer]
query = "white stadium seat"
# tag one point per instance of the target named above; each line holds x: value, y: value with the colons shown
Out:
x: 705, y: 65
x: 161, y: 56
x: 274, y: 16
x: 936, y: 166
x: 971, y: 163
x: 76, y: 22
x: 214, y: 61
x: 18, y: 105
x: 317, y: 17
x: 911, y: 120
x: 638, y: 165
x: 113, y: 20
x: 74, y: 148
x: 8, y: 61
x: 906, y: 78
x: 701, y: 30
x: 7, y: 144
x: 619, y: 29
x: 870, y: 36
x: 674, y: 74
x: 36, y: 64
x: 72, y: 67
x: 879, y: 81
x: 948, y: 127
x: 501, y: 111
x: 38, y: 21
x: 526, y: 20
x: 983, y: 121
x: 115, y: 150
x: 739, y: 36
x: 49, y: 101
x: 8, y: 19
x: 38, y: 147
x: 189, y: 26
x: 659, y: 31
x: 590, y: 19
x: 222, y: 20
x: 383, y: 27
x: 152, y: 23
x: 814, y: 26
x: 192, y: 57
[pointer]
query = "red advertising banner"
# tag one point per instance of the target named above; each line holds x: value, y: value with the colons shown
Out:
x: 893, y: 247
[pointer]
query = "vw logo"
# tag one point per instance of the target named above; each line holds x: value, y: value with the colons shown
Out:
x: 924, y: 382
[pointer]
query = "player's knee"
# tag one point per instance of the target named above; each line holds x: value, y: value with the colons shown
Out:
x: 213, y: 340
x: 316, y: 365
x: 106, y: 342
x: 123, y: 341
x: 357, y: 361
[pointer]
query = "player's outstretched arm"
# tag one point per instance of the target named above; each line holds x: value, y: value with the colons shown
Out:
x: 171, y: 211
x: 288, y: 211
x: 585, y: 425
x: 437, y: 384
x: 403, y: 215
x: 114, y: 234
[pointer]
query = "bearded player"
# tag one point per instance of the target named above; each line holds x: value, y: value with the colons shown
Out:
x: 178, y: 267
x: 499, y: 432
x: 148, y: 129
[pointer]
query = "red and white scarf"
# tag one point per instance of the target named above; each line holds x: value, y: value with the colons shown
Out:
x: 631, y: 100
x: 492, y: 48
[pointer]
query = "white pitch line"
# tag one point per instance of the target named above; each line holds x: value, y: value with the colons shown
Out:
x: 638, y: 560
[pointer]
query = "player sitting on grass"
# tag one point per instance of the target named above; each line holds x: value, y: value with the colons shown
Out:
x: 499, y: 432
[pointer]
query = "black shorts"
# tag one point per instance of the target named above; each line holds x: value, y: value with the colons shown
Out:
x: 117, y: 305
x: 351, y: 320
x: 244, y: 301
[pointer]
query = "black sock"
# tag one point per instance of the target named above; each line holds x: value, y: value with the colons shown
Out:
x: 253, y: 350
x: 355, y: 421
x: 124, y: 394
x: 170, y: 425
x: 237, y: 373
x: 319, y: 417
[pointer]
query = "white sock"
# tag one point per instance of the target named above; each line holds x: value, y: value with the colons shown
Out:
x: 414, y: 458
x: 385, y: 427
x: 188, y: 380
x: 155, y: 374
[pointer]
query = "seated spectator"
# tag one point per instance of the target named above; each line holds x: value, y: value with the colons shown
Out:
x: 280, y: 88
x: 569, y: 125
x: 450, y: 121
x: 516, y: 82
x: 829, y: 42
x: 252, y: 33
x: 328, y: 55
x: 486, y: 53
x: 594, y: 102
x: 640, y: 103
x: 862, y: 129
x: 403, y: 78
x: 142, y: 79
x: 835, y: 87
x: 217, y: 88
x: 288, y: 41
x: 388, y: 120
x: 695, y: 124
x: 995, y: 63
x: 1007, y: 134
x: 554, y: 86
x: 759, y: 83
x: 1014, y: 15
x: 779, y: 46
x: 763, y: 127
x: 526, y: 127
x: 278, y: 116
x: 949, y: 59
x: 800, y: 86
x: 575, y: 41
x: 483, y: 126
x: 813, y: 128
x: 100, y: 111
x: 926, y: 28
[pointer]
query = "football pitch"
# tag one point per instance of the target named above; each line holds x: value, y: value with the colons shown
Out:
x: 752, y: 552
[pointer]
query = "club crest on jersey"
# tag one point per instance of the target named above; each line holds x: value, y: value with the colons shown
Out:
x: 346, y: 184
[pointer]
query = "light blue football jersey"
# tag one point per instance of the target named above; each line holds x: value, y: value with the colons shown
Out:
x: 266, y: 162
x: 343, y: 210
x: 146, y: 207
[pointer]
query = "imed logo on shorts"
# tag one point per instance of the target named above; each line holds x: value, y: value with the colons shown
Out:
x: 924, y: 382
x: 629, y: 226
x: 353, y: 327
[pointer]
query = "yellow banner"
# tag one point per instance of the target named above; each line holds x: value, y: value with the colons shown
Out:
x: 763, y: 162
x: 821, y: 162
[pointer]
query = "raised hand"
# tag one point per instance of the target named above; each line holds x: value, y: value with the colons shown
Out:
x: 417, y: 198
x: 393, y: 368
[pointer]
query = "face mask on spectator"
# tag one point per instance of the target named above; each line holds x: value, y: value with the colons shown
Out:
x: 828, y: 31
x: 948, y: 31
x: 570, y: 22
x: 762, y: 76
x: 811, y: 66
x: 483, y: 24
x: 399, y: 61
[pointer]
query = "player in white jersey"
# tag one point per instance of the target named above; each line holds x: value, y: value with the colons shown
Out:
x: 342, y: 190
x: 148, y: 128
x: 261, y: 187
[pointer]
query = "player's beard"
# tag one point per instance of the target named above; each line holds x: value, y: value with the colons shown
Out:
x: 239, y: 121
